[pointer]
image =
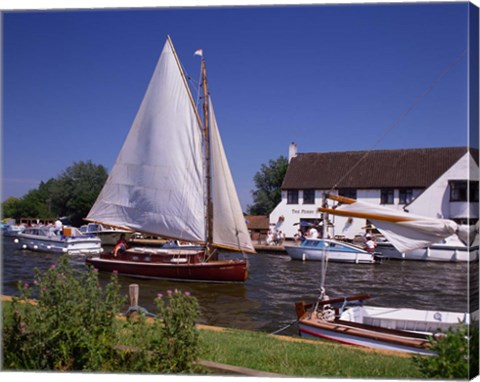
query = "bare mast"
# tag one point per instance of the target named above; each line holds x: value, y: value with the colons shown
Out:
x: 208, y: 165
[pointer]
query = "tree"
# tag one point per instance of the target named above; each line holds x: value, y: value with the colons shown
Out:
x: 71, y: 194
x: 74, y: 192
x: 10, y: 207
x: 268, y: 182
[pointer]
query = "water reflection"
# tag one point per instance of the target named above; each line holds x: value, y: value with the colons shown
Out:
x: 266, y: 301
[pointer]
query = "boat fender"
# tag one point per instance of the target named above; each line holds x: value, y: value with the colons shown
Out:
x: 16, y: 241
x: 35, y: 247
x: 304, y: 256
x: 24, y: 246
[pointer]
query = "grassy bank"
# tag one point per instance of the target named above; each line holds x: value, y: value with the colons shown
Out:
x: 274, y: 354
x: 299, y: 358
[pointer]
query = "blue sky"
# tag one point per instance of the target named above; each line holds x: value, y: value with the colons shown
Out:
x: 328, y: 77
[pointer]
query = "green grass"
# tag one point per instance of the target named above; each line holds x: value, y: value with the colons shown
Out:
x: 267, y: 353
x: 264, y: 352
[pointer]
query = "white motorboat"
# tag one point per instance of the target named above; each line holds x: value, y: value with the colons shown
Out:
x: 315, y: 249
x: 449, y: 251
x: 70, y: 241
x: 108, y: 235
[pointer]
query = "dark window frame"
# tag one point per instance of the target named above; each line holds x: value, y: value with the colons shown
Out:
x: 311, y: 196
x: 348, y: 193
x: 387, y: 196
x: 292, y: 196
x: 405, y: 195
x: 463, y: 191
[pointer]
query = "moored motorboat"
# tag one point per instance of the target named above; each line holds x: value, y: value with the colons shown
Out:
x: 340, y: 252
x: 108, y: 235
x: 449, y: 251
x: 172, y: 180
x: 69, y: 241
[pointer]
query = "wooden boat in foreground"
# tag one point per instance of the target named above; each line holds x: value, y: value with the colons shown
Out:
x: 403, y: 330
x: 172, y: 180
x: 399, y: 329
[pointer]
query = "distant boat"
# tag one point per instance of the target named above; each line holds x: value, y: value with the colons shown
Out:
x: 69, y: 241
x: 398, y: 329
x: 172, y: 180
x: 448, y: 251
x: 339, y: 252
x: 108, y: 235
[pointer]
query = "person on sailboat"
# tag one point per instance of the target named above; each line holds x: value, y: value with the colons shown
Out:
x: 121, y: 245
x: 370, y: 244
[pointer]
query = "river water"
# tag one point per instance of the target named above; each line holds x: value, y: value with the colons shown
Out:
x: 265, y: 302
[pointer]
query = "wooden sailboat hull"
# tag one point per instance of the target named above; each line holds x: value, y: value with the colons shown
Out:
x: 364, y: 337
x: 396, y: 329
x: 173, y: 266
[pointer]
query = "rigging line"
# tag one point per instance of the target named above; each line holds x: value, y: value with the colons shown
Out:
x: 405, y: 113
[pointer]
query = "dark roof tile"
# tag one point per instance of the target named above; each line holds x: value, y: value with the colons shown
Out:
x: 415, y: 168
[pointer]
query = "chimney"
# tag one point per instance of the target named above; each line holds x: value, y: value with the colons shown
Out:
x: 292, y: 151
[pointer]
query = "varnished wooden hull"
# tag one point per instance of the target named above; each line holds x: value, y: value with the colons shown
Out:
x: 166, y: 266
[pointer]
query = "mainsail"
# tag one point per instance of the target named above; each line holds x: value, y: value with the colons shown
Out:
x: 405, y: 231
x: 157, y: 184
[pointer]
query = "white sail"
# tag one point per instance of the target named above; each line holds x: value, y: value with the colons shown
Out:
x: 229, y: 227
x: 405, y: 231
x: 157, y: 182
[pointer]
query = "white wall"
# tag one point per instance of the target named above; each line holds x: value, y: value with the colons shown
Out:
x: 435, y: 201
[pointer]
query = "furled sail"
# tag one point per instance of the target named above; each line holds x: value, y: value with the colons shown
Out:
x: 405, y: 231
x: 229, y: 227
x: 157, y: 183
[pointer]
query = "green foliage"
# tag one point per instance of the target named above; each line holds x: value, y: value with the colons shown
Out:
x: 73, y: 327
x: 69, y: 328
x: 268, y: 182
x: 10, y: 207
x: 457, y: 357
x: 71, y: 194
x: 173, y: 338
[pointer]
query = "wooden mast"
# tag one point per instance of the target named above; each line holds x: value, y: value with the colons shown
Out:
x: 206, y: 126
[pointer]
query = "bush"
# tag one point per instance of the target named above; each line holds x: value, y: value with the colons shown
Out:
x: 72, y: 326
x: 173, y: 338
x: 457, y: 355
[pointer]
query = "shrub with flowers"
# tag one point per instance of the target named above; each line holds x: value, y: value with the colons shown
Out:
x: 72, y: 325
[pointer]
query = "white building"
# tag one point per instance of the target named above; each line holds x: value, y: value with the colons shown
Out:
x: 433, y: 182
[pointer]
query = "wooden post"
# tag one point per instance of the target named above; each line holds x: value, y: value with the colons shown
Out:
x: 133, y: 292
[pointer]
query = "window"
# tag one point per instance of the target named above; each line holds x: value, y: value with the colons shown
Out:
x: 308, y: 196
x: 405, y: 196
x: 292, y: 196
x: 459, y: 191
x: 348, y: 192
x: 386, y: 196
x: 474, y: 191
